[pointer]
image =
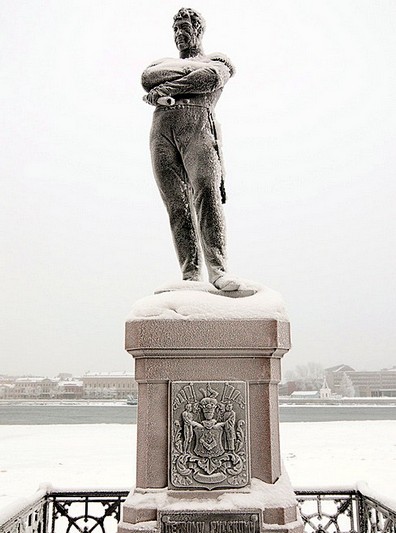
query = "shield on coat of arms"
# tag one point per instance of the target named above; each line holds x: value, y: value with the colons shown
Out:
x: 208, y: 441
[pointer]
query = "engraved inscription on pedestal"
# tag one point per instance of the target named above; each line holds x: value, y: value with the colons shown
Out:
x: 209, y: 522
x: 208, y: 439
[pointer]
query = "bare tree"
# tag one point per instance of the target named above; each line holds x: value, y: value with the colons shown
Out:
x: 308, y: 377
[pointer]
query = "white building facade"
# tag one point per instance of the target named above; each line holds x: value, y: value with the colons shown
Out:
x: 109, y: 385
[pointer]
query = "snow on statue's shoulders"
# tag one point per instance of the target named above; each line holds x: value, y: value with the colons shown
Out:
x: 181, y: 64
x: 193, y: 300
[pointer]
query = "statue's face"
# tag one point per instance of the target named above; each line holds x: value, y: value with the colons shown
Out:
x: 185, y: 36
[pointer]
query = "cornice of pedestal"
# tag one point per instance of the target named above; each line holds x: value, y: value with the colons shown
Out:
x: 207, y: 338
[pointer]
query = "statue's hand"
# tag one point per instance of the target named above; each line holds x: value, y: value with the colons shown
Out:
x: 156, y: 93
x: 151, y: 98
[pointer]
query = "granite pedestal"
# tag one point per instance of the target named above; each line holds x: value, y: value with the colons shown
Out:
x: 208, y: 369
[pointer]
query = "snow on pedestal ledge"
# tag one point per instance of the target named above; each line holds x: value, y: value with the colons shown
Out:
x: 189, y: 300
x: 260, y: 495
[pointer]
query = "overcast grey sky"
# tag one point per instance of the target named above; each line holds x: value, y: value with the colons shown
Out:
x: 309, y: 127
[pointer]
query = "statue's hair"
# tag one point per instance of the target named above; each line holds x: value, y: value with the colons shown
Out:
x: 196, y: 19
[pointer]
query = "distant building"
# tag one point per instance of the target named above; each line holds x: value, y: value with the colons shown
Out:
x: 325, y: 391
x: 6, y: 386
x: 380, y: 383
x: 34, y: 387
x: 334, y: 376
x: 322, y: 393
x: 287, y: 389
x: 72, y: 389
x: 307, y: 394
x: 65, y: 376
x: 117, y: 385
x: 6, y: 390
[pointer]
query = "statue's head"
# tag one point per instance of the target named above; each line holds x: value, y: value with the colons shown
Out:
x: 188, y: 27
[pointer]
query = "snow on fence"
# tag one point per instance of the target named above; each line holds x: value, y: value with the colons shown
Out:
x: 348, y: 511
x: 26, y: 515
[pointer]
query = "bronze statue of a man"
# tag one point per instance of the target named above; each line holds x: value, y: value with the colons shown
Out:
x: 185, y: 149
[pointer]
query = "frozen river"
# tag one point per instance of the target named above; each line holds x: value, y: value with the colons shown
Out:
x: 36, y: 414
x: 102, y: 456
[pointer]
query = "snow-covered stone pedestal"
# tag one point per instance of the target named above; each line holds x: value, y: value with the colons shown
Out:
x: 208, y: 455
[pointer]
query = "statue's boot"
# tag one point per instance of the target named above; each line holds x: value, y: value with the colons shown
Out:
x: 226, y: 283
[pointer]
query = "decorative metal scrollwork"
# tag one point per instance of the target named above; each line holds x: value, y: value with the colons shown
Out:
x: 329, y: 513
x: 31, y: 519
x: 99, y: 512
x: 344, y: 512
x: 376, y: 517
x: 85, y: 513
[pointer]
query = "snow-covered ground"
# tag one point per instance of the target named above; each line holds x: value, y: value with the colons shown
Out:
x: 316, y: 455
x: 54, y: 403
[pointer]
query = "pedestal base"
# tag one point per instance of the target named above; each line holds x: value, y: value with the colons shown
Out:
x: 208, y: 454
x: 259, y: 508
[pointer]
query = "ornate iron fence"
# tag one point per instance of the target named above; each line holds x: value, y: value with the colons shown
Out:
x: 335, y: 512
x: 99, y: 512
x: 30, y: 519
x: 84, y: 512
x: 376, y: 517
x: 344, y: 511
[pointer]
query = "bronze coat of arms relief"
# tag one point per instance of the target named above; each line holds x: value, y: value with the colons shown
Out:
x: 208, y: 438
